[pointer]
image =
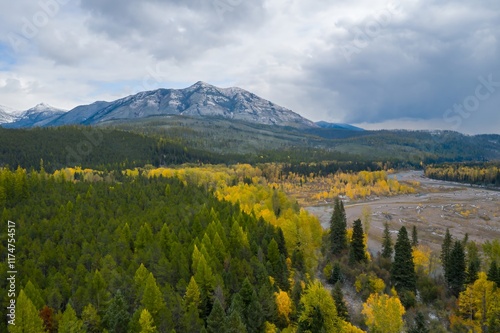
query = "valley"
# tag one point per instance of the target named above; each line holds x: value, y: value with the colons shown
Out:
x: 437, y: 205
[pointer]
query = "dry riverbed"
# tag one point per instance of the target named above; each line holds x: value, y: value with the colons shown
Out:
x: 437, y: 206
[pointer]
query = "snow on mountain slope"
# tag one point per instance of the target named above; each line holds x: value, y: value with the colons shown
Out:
x: 198, y: 100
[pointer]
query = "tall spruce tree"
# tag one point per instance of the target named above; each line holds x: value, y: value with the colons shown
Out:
x: 387, y: 248
x: 216, y: 319
x: 338, y: 228
x: 456, y: 273
x: 473, y: 262
x: 357, y: 249
x: 340, y: 304
x: 445, y: 253
x: 414, y: 237
x: 403, y: 268
x: 493, y: 273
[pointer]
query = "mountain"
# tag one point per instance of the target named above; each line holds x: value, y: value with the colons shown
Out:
x: 198, y: 100
x: 37, y: 116
x: 6, y: 115
x: 340, y: 126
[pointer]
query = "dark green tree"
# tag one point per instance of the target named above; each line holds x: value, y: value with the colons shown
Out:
x: 357, y: 247
x: 336, y: 273
x: 473, y: 262
x: 338, y: 228
x: 420, y: 326
x: 445, y: 253
x: 216, y: 319
x: 414, y: 237
x: 116, y: 318
x: 387, y: 243
x: 493, y: 273
x: 456, y: 275
x: 403, y: 268
x: 253, y: 316
x: 340, y: 304
x: 234, y: 323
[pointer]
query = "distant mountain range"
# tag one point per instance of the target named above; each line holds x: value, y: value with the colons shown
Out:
x: 198, y: 100
x: 37, y: 116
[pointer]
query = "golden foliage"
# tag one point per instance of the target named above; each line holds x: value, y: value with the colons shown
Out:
x: 384, y: 313
x: 283, y: 304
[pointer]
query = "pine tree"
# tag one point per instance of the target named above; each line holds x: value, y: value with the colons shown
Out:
x: 414, y: 237
x: 493, y: 273
x: 456, y: 276
x: 338, y: 225
x: 336, y: 273
x: 34, y: 295
x: 91, y: 319
x: 403, y: 268
x: 116, y: 317
x: 152, y: 299
x: 146, y: 322
x: 357, y: 248
x: 69, y: 322
x: 27, y: 319
x: 387, y: 243
x: 216, y: 319
x: 420, y: 325
x: 445, y: 253
x: 252, y: 315
x: 234, y: 324
x: 473, y: 263
x: 340, y: 304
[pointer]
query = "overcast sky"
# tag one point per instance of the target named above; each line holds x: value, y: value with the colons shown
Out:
x: 402, y: 64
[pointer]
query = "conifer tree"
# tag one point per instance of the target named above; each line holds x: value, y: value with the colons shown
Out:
x: 116, y: 317
x: 34, y: 295
x: 27, y: 319
x: 340, y: 304
x: 91, y: 319
x: 473, y: 263
x: 387, y: 243
x: 146, y: 322
x: 234, y: 324
x: 336, y: 273
x: 403, y: 268
x: 152, y: 299
x: 338, y: 228
x: 414, y: 237
x: 445, y: 253
x: 420, y: 325
x: 493, y: 273
x: 357, y: 248
x: 456, y: 275
x: 69, y: 322
x: 216, y: 319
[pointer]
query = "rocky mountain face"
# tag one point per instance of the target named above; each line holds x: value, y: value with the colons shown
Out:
x: 198, y: 100
x: 37, y: 116
x: 6, y: 115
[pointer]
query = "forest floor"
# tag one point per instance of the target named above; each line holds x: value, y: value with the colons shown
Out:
x: 436, y: 206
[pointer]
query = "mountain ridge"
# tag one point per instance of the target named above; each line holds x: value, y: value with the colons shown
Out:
x: 198, y: 100
x: 37, y: 116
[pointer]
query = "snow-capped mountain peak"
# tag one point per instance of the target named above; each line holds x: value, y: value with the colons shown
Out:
x: 199, y: 100
x: 38, y: 115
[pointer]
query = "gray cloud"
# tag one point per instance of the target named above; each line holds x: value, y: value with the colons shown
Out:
x: 179, y: 30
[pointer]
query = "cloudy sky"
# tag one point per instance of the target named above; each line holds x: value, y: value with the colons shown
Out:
x: 401, y: 64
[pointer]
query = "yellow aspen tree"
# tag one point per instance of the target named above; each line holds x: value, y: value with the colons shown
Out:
x: 384, y: 313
